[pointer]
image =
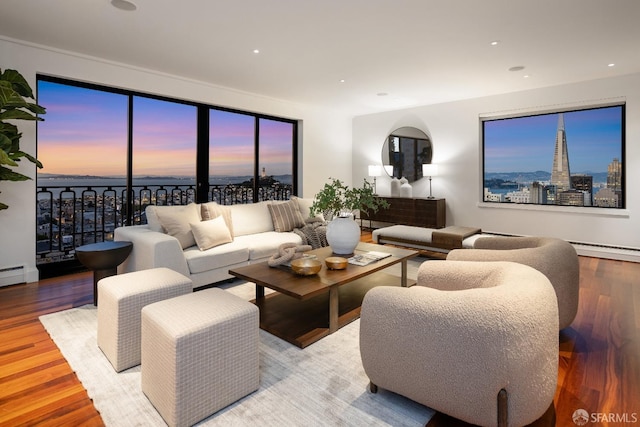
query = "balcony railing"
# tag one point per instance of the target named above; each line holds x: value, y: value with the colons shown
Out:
x: 73, y: 216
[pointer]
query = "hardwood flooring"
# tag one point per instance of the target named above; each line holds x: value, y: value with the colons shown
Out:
x: 599, y: 360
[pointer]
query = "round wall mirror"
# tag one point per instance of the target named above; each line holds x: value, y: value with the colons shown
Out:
x: 404, y: 151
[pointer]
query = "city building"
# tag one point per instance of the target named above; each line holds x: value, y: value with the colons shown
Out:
x: 560, y: 173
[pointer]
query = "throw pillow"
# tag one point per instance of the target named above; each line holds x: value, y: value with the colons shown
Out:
x: 285, y: 216
x: 211, y: 233
x: 213, y: 210
x: 177, y: 222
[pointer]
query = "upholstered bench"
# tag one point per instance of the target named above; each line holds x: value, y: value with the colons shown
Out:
x: 430, y: 239
x: 121, y: 300
x: 199, y: 354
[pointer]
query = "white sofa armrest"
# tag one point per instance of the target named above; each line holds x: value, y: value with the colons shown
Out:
x: 151, y: 249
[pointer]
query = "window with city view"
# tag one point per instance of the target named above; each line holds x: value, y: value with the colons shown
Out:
x: 564, y: 158
x: 108, y: 153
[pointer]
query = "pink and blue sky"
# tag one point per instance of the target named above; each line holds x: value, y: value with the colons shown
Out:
x: 85, y: 133
x: 526, y: 144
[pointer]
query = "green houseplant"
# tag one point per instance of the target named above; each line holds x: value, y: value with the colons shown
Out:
x: 15, y: 93
x: 336, y: 199
x: 338, y: 202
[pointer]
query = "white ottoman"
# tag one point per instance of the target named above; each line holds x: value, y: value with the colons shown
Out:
x: 121, y: 300
x: 199, y: 354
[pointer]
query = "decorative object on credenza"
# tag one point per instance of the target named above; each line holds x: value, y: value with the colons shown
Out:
x: 287, y: 252
x: 338, y: 202
x: 395, y: 187
x: 429, y: 170
x: 15, y: 105
x: 375, y: 171
x: 406, y: 190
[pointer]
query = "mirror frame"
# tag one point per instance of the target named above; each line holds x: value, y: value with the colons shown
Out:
x: 411, y: 148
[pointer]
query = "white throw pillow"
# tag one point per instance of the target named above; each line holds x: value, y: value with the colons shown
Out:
x: 211, y: 233
x: 177, y: 221
x: 211, y: 210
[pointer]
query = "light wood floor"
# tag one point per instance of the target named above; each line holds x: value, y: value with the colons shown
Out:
x: 599, y: 360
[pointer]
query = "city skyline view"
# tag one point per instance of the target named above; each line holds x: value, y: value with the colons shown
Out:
x: 85, y: 133
x: 526, y: 144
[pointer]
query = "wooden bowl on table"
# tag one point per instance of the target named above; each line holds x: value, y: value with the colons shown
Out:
x: 306, y: 266
x: 336, y: 263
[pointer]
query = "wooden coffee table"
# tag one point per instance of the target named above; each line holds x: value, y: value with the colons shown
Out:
x: 305, y: 309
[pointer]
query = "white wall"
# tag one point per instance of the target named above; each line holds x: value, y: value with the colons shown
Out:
x: 455, y: 130
x: 326, y: 135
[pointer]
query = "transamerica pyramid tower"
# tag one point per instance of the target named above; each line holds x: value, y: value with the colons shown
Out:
x: 560, y: 175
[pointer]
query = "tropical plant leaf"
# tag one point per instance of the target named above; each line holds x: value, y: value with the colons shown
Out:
x: 36, y: 109
x: 9, y: 98
x: 33, y: 160
x: 15, y: 114
x: 14, y: 88
x: 18, y: 82
x: 7, y: 174
x: 6, y: 159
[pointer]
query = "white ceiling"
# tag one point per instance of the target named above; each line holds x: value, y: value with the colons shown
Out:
x: 416, y: 51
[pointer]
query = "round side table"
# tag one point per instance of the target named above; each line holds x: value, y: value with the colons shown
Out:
x: 103, y: 258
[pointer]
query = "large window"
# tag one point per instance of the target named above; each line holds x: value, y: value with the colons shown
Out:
x: 108, y: 153
x: 567, y: 158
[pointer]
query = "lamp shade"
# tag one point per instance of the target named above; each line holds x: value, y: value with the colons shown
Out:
x: 375, y: 170
x: 429, y: 169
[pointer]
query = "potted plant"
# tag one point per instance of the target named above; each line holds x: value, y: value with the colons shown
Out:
x: 338, y: 203
x: 15, y: 93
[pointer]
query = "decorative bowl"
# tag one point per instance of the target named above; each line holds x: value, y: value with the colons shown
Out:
x: 336, y: 263
x: 306, y: 266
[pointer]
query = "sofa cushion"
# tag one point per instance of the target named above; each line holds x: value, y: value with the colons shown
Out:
x: 212, y: 210
x: 216, y: 257
x: 304, y: 205
x: 263, y: 245
x: 285, y: 216
x: 176, y: 221
x: 251, y: 218
x: 210, y: 233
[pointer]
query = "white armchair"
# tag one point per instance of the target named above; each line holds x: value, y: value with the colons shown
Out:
x: 475, y: 340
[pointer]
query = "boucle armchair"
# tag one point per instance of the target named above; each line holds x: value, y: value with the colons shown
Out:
x: 480, y: 343
x: 555, y: 258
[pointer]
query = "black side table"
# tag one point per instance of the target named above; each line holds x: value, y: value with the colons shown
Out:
x: 103, y: 258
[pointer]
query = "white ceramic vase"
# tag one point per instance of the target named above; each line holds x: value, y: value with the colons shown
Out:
x: 343, y: 235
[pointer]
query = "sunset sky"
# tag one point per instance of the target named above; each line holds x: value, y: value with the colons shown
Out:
x: 594, y: 138
x: 85, y: 133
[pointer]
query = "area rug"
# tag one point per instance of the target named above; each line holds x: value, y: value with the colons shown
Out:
x: 321, y: 385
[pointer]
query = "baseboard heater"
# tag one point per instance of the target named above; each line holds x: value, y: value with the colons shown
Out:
x: 597, y: 250
x: 12, y: 275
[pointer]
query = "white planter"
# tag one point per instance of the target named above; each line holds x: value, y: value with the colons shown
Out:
x: 343, y: 235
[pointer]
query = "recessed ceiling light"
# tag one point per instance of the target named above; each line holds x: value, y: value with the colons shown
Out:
x: 382, y: 94
x: 256, y: 50
x: 342, y: 80
x: 517, y: 68
x: 124, y: 5
x: 495, y: 43
x: 611, y: 65
x: 526, y: 76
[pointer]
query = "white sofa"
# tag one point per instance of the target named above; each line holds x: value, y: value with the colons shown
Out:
x: 167, y: 240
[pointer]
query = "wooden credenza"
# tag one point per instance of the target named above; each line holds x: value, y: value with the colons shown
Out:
x: 419, y: 212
